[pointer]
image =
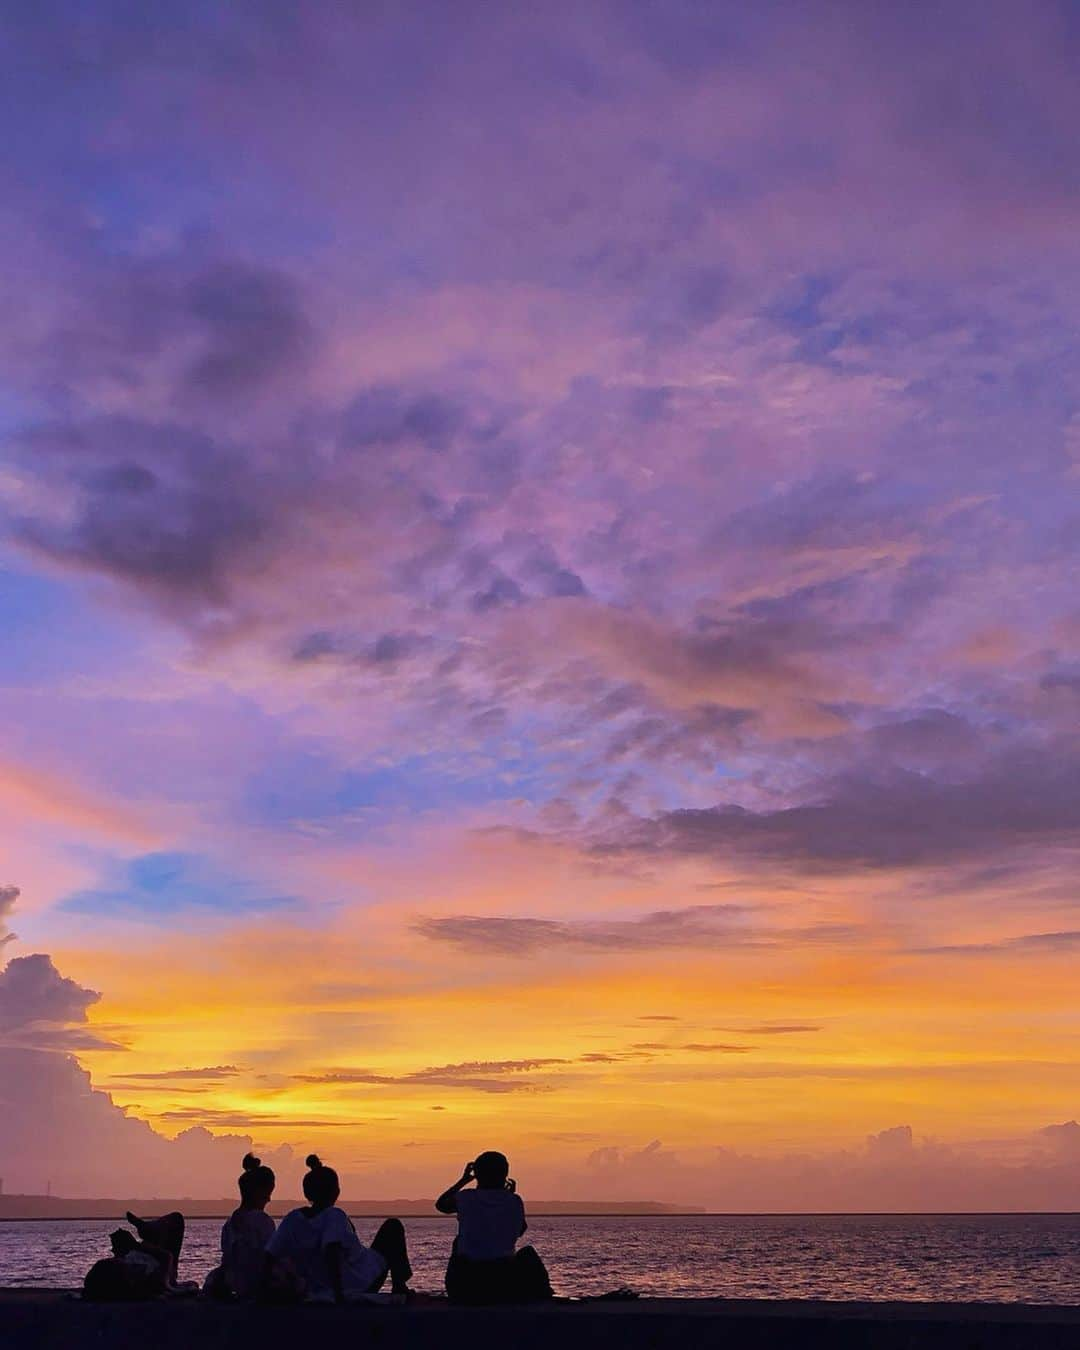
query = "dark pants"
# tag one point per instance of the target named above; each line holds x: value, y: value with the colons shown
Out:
x: 389, y: 1242
x: 521, y: 1278
x: 166, y: 1233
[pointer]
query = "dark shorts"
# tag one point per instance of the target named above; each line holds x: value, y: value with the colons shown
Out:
x: 521, y: 1278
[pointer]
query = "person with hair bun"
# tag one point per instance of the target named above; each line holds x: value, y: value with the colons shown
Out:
x: 319, y: 1242
x: 245, y: 1237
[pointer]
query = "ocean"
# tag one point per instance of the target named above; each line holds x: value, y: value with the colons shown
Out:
x: 1027, y: 1258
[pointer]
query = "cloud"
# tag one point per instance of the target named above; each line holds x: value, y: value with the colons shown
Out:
x: 886, y: 1145
x: 53, y: 799
x: 648, y: 458
x: 211, y: 1073
x: 167, y: 510
x: 38, y: 1004
x: 883, y: 820
x: 1064, y: 1137
x: 695, y: 925
x: 707, y: 1047
x: 204, y: 1116
x: 773, y: 1029
x: 252, y: 327
x: 8, y: 897
x: 385, y: 416
x: 496, y: 1076
x: 55, y: 1127
x: 1050, y: 944
x: 893, y: 1171
x: 508, y: 935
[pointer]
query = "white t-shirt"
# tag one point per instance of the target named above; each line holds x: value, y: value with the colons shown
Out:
x: 304, y: 1238
x: 489, y: 1223
x: 244, y: 1239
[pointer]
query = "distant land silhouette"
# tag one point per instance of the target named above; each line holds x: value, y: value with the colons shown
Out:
x: 59, y: 1207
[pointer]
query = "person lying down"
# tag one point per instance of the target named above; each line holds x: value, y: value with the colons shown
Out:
x: 143, y: 1267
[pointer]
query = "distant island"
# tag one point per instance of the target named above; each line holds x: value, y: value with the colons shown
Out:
x: 59, y: 1207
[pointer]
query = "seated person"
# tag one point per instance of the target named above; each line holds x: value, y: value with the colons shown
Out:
x: 139, y: 1270
x: 245, y: 1236
x: 320, y: 1244
x: 162, y: 1236
x: 485, y: 1266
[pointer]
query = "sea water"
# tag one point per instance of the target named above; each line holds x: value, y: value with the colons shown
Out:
x: 1030, y: 1258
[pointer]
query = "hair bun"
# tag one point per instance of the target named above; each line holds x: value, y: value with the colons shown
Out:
x: 313, y: 1161
x: 250, y: 1162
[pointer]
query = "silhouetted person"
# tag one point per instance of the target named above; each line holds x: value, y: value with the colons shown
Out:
x: 319, y: 1242
x: 141, y: 1267
x: 118, y: 1280
x: 164, y: 1234
x: 485, y: 1265
x: 245, y: 1237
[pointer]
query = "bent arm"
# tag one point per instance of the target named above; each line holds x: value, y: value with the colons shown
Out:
x: 447, y: 1202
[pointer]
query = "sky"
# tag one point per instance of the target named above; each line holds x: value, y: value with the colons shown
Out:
x: 538, y: 588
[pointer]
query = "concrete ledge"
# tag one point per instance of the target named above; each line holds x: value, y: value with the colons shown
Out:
x: 51, y: 1320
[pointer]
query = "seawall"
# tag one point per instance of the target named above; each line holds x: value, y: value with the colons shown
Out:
x: 33, y: 1320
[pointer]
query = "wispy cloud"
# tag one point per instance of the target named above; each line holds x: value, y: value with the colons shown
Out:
x: 214, y: 1073
x: 1050, y: 944
x: 696, y: 925
x: 497, y: 1076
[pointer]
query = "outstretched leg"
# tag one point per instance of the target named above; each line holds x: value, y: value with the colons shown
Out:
x: 389, y: 1242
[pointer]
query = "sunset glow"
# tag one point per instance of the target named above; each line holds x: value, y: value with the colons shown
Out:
x: 538, y: 565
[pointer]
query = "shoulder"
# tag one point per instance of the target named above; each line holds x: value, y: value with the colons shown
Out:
x: 334, y: 1221
x: 512, y: 1203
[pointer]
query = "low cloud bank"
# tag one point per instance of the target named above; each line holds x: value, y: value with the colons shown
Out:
x: 892, y: 1171
x: 57, y: 1130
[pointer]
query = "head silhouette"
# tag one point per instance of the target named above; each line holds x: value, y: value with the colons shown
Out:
x: 256, y: 1182
x: 491, y: 1170
x: 321, y: 1185
x: 122, y: 1241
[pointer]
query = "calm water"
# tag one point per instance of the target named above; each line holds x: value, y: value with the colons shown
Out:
x: 1025, y: 1258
